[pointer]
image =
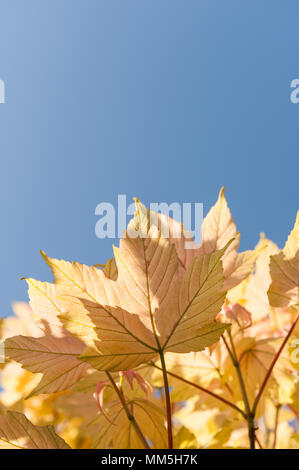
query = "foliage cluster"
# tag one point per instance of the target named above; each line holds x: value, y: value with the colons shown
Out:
x: 161, y: 347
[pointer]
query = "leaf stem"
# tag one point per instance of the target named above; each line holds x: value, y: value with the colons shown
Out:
x: 267, y: 376
x: 258, y: 442
x: 249, y: 414
x: 205, y: 390
x: 130, y: 416
x: 168, y: 402
x: 294, y: 411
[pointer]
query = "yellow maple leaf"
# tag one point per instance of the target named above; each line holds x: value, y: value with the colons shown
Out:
x: 149, y: 308
x: 284, y: 269
x: 218, y: 229
x: 56, y: 358
x: 17, y: 432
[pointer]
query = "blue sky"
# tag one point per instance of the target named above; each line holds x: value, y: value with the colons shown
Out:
x: 163, y: 100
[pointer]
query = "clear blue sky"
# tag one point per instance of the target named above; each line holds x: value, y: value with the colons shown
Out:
x: 163, y: 100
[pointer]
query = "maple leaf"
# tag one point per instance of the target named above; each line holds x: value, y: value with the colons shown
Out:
x: 45, y: 308
x: 54, y: 352
x: 202, y: 368
x: 204, y: 424
x: 218, y: 229
x: 255, y: 356
x: 284, y: 269
x: 235, y: 313
x: 17, y: 432
x: 21, y: 323
x: 99, y: 337
x: 149, y: 308
x: 109, y: 269
x: 184, y: 439
x: 55, y: 357
x: 112, y: 428
x: 119, y: 433
x: 17, y: 383
x: 252, y: 292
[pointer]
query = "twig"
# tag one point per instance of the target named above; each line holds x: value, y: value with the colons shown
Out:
x: 267, y: 376
x: 294, y: 411
x: 202, y: 389
x: 168, y: 402
x: 258, y: 442
x: 249, y: 414
x: 130, y: 416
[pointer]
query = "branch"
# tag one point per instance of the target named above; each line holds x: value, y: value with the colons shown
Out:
x: 267, y: 376
x: 249, y: 415
x: 202, y: 389
x: 258, y: 442
x: 168, y: 403
x: 131, y: 418
x: 294, y: 411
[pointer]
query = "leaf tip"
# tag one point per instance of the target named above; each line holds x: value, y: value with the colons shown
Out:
x: 228, y: 244
x: 43, y: 255
x: 222, y: 192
